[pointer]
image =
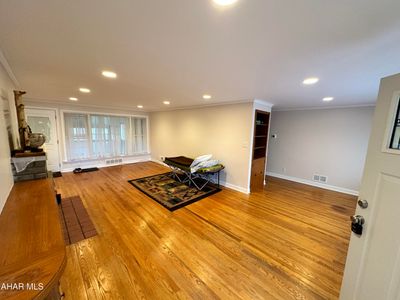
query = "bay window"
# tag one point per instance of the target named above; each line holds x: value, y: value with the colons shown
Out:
x: 91, y: 136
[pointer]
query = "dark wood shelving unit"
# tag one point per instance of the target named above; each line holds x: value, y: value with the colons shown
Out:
x: 261, y: 126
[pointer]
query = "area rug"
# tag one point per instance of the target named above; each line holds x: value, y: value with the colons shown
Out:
x: 76, y: 223
x: 171, y: 193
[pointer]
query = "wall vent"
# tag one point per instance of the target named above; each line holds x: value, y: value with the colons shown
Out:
x: 323, y: 178
x: 320, y: 178
x: 113, y: 161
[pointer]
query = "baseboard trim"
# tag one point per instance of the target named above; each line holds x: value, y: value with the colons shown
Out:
x: 223, y: 183
x: 316, y: 184
x: 235, y: 187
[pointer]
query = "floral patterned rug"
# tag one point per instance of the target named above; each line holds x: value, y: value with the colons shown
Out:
x: 171, y: 193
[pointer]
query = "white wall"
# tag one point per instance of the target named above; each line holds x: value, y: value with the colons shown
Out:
x: 224, y: 131
x: 331, y: 142
x: 7, y: 98
x: 78, y: 107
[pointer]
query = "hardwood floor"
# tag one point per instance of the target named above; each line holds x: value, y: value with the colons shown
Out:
x: 287, y: 242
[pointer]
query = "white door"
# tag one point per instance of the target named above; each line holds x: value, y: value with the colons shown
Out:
x: 373, y: 263
x: 44, y: 121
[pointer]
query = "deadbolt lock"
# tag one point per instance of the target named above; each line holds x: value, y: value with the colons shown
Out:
x: 362, y: 203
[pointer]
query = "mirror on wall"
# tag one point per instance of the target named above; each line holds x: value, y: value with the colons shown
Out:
x: 395, y: 138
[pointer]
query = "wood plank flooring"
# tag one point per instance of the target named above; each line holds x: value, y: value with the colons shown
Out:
x: 287, y: 242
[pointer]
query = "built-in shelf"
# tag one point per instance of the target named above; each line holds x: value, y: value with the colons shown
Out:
x: 261, y: 124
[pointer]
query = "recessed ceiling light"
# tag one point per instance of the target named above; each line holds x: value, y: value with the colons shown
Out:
x: 224, y: 2
x: 109, y: 74
x: 207, y: 97
x: 84, y: 90
x: 140, y: 106
x: 166, y: 102
x: 311, y: 80
x: 73, y: 98
x: 327, y: 99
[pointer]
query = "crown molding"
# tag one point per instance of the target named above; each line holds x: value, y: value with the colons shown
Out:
x: 264, y: 103
x: 325, y: 107
x: 7, y: 68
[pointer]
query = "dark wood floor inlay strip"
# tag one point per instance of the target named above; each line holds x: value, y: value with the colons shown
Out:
x: 76, y: 222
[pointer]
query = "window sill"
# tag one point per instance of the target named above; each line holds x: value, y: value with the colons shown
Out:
x: 127, y: 157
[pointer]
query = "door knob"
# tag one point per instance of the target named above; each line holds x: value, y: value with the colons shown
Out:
x: 357, y: 219
x: 357, y: 222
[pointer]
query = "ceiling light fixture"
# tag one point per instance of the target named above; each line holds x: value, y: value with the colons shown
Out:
x: 224, y: 2
x: 84, y: 90
x: 207, y: 97
x: 140, y: 106
x: 109, y: 74
x: 166, y: 102
x: 327, y: 99
x: 311, y: 80
x: 73, y: 98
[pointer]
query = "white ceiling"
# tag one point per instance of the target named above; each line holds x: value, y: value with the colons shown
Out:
x: 180, y: 49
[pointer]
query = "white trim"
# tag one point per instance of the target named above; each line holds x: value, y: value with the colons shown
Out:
x: 316, y: 184
x: 235, y: 187
x: 83, y: 105
x: 324, y: 107
x: 102, y: 113
x: 203, y: 105
x: 7, y: 68
x: 100, y: 163
x: 264, y: 103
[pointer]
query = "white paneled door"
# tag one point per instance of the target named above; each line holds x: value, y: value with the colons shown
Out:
x: 44, y: 121
x: 372, y: 269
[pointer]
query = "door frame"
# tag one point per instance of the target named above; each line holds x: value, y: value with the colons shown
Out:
x: 58, y: 132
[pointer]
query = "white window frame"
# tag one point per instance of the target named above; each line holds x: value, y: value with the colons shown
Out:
x: 88, y: 114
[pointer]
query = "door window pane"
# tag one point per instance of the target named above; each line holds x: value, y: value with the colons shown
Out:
x: 395, y: 140
x: 40, y: 125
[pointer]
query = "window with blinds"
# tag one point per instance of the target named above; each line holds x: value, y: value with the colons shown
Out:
x: 90, y: 136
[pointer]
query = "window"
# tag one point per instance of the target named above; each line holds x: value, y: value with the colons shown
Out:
x: 109, y: 135
x: 99, y: 136
x: 139, y: 135
x: 395, y: 139
x: 76, y: 136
